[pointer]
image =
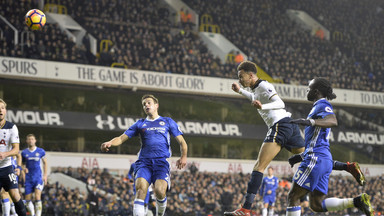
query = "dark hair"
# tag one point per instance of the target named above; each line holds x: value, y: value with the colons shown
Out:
x: 31, y: 135
x: 247, y: 66
x: 325, y: 87
x: 150, y: 96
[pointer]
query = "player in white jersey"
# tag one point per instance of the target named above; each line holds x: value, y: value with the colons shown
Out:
x: 152, y: 166
x: 282, y: 133
x: 8, y: 208
x: 9, y: 146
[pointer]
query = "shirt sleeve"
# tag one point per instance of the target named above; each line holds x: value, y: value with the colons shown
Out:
x: 42, y: 153
x: 324, y: 109
x: 133, y: 130
x: 268, y: 90
x: 14, y: 135
x: 174, y: 129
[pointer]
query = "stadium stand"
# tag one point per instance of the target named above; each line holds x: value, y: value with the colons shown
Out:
x: 287, y: 52
x: 196, y: 193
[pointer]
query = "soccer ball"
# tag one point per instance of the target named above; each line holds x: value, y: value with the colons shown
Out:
x: 35, y: 19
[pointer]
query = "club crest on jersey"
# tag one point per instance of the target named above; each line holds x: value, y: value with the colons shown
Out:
x: 328, y: 109
x: 162, y: 123
x: 37, y: 154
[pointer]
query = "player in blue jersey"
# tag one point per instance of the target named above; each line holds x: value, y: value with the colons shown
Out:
x: 313, y: 173
x: 34, y: 178
x: 268, y: 192
x: 9, y: 147
x: 152, y: 166
x: 281, y: 133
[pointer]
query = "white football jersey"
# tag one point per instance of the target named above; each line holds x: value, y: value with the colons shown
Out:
x: 263, y: 92
x: 9, y: 134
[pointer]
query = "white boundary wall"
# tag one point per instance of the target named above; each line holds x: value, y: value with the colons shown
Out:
x: 58, y: 72
x: 120, y: 164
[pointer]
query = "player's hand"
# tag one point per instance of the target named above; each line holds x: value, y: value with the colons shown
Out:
x: 294, y: 159
x: 105, y: 146
x: 26, y: 170
x: 45, y: 179
x: 269, y: 192
x: 181, y: 163
x: 301, y: 121
x: 3, y: 155
x: 17, y: 171
x: 236, y: 87
x: 257, y: 104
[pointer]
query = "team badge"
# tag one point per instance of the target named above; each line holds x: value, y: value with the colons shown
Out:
x: 162, y: 123
x: 328, y: 109
x: 37, y: 154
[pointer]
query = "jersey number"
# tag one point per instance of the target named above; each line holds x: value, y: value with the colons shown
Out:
x: 298, y: 174
x: 12, y: 177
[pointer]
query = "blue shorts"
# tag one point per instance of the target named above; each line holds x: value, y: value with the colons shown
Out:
x: 32, y: 183
x: 153, y: 169
x: 8, y: 178
x: 286, y: 134
x: 313, y: 173
x: 270, y: 199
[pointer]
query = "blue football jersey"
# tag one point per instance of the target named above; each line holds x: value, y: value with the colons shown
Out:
x: 317, y: 138
x: 269, y: 184
x: 155, y: 136
x: 32, y: 161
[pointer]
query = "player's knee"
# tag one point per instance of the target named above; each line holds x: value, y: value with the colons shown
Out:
x: 160, y: 193
x: 293, y: 199
x: 316, y: 207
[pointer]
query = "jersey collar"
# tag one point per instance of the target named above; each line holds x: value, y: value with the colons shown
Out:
x: 33, y: 149
x: 148, y: 119
x: 257, y: 83
x: 318, y: 101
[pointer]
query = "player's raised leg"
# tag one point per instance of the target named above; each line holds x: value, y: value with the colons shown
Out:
x: 267, y: 152
x: 19, y: 204
x: 141, y: 192
x: 161, y: 198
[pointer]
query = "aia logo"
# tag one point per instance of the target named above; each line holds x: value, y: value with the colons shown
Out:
x: 2, y: 142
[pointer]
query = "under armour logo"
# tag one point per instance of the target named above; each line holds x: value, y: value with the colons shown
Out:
x: 108, y: 122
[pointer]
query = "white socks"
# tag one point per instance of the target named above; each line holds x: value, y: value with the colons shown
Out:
x: 6, y: 207
x: 264, y: 212
x: 336, y: 204
x: 30, y: 207
x: 270, y: 213
x: 138, y: 208
x: 161, y: 205
x: 293, y: 211
x: 39, y: 207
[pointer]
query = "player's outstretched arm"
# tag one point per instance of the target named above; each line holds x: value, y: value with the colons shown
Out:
x: 183, y: 150
x: 113, y: 142
x: 327, y: 122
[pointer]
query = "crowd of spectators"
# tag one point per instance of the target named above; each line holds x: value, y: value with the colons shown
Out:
x: 145, y: 36
x: 192, y: 193
x: 264, y: 32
